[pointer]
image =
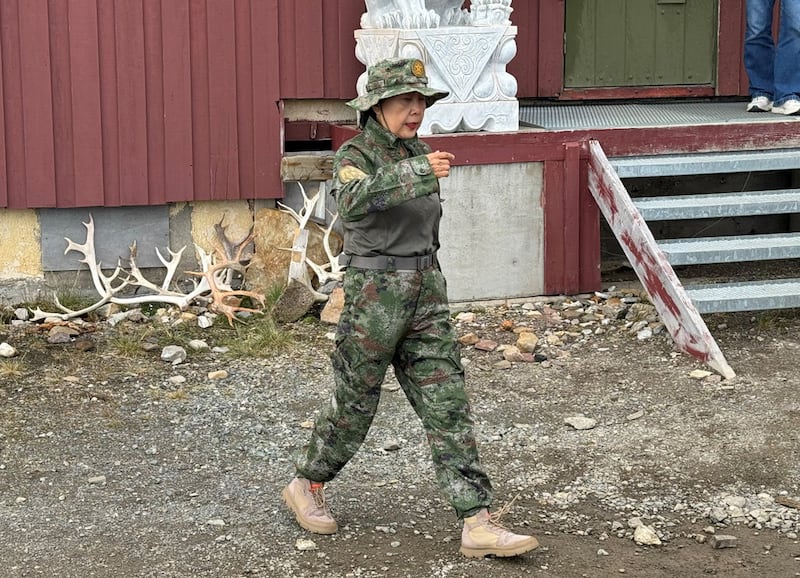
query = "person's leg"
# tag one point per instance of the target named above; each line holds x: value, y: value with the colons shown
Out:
x: 428, y: 367
x: 759, y: 48
x: 787, y: 54
x: 376, y: 312
x: 373, y: 320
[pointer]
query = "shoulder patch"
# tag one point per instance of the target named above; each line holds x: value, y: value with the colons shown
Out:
x: 351, y: 173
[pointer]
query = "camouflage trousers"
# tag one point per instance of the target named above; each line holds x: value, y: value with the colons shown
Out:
x: 400, y: 318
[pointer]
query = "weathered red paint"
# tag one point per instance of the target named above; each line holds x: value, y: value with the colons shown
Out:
x: 675, y: 308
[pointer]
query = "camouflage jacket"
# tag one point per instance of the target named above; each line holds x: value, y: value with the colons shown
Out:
x: 387, y: 194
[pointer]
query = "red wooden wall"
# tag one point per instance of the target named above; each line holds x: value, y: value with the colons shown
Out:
x: 146, y: 102
x: 138, y: 102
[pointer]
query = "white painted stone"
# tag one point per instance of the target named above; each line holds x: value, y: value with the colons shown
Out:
x: 468, y: 59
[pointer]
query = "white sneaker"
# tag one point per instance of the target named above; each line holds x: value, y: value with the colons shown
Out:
x: 760, y: 104
x: 790, y: 107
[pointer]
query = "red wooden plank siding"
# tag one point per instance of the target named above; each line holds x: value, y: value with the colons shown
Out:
x: 589, y: 227
x: 201, y: 121
x: 139, y: 102
x: 302, y: 55
x: 341, y: 68
x: 223, y: 161
x: 524, y: 67
x: 178, y: 133
x: 84, y: 86
x: 244, y: 97
x: 154, y: 98
x: 267, y: 118
x: 317, y: 48
x: 37, y: 103
x: 14, y: 178
x: 550, y: 25
x: 62, y: 102
x: 108, y: 104
x: 571, y: 234
x: 132, y: 102
x: 730, y: 80
x: 3, y: 166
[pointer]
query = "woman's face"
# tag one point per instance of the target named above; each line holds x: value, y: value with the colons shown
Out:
x: 402, y: 114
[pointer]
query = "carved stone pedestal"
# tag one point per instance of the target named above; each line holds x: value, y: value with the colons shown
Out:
x: 467, y: 61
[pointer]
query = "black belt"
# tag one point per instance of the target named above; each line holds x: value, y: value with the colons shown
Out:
x: 389, y: 262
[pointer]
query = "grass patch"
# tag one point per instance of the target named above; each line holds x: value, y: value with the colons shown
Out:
x: 12, y: 368
x: 178, y: 395
x: 260, y: 337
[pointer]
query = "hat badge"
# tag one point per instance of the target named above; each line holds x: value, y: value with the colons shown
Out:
x: 418, y: 69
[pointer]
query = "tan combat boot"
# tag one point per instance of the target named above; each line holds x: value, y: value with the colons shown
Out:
x: 484, y: 536
x: 307, y: 501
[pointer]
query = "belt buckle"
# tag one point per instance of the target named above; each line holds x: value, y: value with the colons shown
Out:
x: 424, y: 262
x: 390, y: 264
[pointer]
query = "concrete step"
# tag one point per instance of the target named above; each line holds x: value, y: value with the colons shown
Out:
x: 732, y: 249
x: 748, y: 296
x: 706, y: 163
x: 719, y: 205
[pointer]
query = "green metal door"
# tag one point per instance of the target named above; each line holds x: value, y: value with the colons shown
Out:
x: 639, y: 43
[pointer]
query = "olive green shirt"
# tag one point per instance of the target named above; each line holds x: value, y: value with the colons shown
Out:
x: 387, y: 195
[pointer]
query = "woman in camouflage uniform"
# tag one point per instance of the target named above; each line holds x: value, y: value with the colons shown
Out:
x: 386, y: 184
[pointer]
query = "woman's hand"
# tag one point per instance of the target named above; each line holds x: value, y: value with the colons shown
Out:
x: 440, y: 163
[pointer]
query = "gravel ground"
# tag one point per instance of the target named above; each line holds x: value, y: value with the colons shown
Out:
x: 124, y: 465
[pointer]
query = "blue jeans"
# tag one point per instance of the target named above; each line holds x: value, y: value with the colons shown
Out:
x: 774, y: 71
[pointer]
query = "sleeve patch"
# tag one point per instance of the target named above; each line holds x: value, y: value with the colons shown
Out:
x: 351, y: 173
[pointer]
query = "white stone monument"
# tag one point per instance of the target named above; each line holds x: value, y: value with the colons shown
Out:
x: 465, y: 53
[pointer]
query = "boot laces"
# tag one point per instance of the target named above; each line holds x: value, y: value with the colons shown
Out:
x: 318, y: 493
x: 495, y: 517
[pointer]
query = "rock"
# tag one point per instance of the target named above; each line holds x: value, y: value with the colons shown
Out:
x: 469, y: 339
x: 294, y: 302
x: 646, y: 536
x: 97, y: 480
x: 486, y: 345
x: 527, y: 342
x: 466, y: 317
x: 274, y: 231
x: 333, y: 307
x: 198, y: 345
x: 217, y: 375
x: 512, y: 354
x: 719, y: 541
x: 7, y: 350
x: 84, y: 344
x: 581, y: 423
x: 699, y: 374
x: 174, y: 354
x: 304, y: 544
x: 391, y: 445
x: 61, y: 334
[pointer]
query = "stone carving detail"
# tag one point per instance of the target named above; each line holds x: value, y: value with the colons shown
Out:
x: 465, y: 53
x: 413, y: 13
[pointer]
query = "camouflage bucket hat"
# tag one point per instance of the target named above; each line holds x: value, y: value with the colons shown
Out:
x: 395, y: 76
